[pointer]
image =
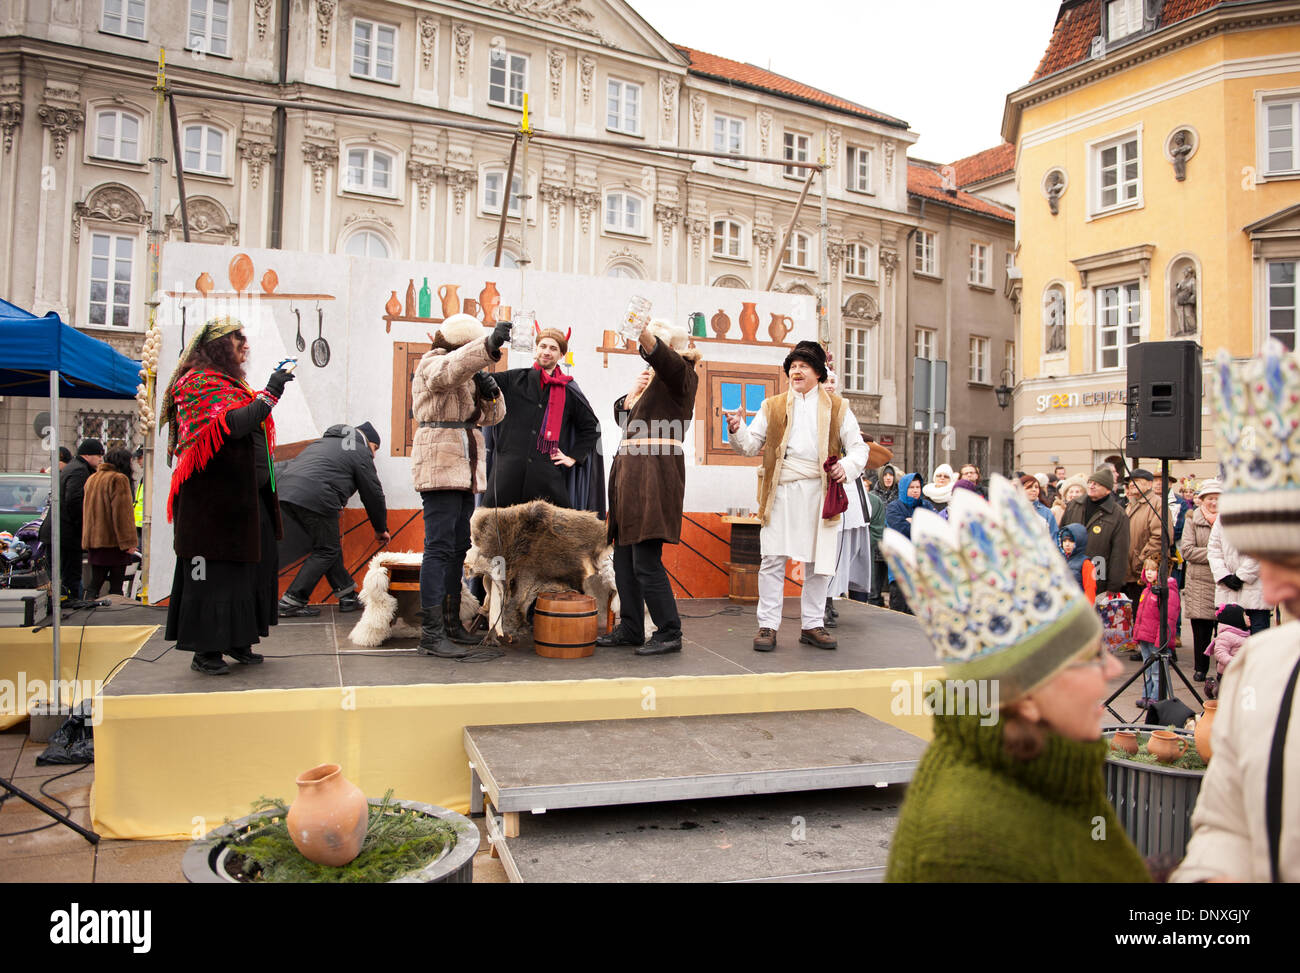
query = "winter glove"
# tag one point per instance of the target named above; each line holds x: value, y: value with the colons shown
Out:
x: 486, y: 384
x: 499, y: 336
x: 278, y: 380
x: 1232, y: 581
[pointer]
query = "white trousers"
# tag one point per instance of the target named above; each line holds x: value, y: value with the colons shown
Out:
x: 771, y: 595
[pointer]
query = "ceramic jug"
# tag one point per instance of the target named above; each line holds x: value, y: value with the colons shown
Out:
x: 328, y: 819
x: 450, y: 299
x: 394, y: 306
x: 721, y: 323
x: 780, y: 326
x: 1203, y: 725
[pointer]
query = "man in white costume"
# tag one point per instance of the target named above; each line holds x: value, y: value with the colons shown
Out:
x: 797, y: 432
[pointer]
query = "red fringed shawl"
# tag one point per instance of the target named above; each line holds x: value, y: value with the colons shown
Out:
x: 203, y: 397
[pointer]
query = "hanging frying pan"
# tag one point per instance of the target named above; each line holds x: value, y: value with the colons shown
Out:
x: 298, y: 341
x: 182, y: 329
x: 320, y: 349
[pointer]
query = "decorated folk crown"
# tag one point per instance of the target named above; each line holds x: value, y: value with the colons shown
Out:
x: 991, y: 589
x: 1257, y: 417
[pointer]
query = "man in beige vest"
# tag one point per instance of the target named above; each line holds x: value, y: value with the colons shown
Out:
x: 798, y: 431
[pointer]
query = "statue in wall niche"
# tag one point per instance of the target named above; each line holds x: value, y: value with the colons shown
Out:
x: 1055, y: 187
x: 1180, y: 150
x: 1185, y: 304
x: 1054, y: 321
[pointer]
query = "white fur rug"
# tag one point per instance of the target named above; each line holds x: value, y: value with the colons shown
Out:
x: 379, y: 621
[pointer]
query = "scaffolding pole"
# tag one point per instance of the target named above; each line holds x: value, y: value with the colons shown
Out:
x: 824, y: 284
x: 785, y: 241
x: 154, y: 292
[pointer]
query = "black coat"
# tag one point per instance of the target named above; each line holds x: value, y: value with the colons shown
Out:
x: 72, y: 494
x: 324, y: 476
x: 1107, y: 531
x: 518, y: 472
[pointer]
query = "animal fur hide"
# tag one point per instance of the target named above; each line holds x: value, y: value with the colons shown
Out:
x: 380, y: 620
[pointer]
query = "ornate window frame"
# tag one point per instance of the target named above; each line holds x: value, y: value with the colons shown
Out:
x: 116, y: 210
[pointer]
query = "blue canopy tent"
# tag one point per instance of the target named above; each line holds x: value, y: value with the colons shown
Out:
x: 42, y: 356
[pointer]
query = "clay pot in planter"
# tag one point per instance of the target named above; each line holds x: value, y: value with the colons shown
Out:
x: 1203, y: 726
x: 205, y: 860
x: 327, y: 822
x: 1166, y: 746
x: 1125, y: 740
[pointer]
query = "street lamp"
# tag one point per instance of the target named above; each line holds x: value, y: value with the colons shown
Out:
x: 1003, y: 391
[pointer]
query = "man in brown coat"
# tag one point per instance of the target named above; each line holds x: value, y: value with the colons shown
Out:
x: 1144, y: 530
x: 452, y: 395
x: 646, y: 489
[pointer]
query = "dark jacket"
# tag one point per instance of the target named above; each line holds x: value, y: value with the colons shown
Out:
x: 324, y: 476
x: 900, y: 510
x: 1107, y: 538
x: 72, y: 496
x: 888, y: 494
x: 517, y: 471
x: 647, y: 484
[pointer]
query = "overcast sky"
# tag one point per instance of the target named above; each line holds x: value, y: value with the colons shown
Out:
x: 944, y: 66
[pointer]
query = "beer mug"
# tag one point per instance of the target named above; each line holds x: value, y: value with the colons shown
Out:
x: 521, y: 338
x: 635, y: 319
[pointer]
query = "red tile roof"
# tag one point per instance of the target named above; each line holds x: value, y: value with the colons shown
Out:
x: 747, y: 75
x: 927, y: 183
x: 1079, y: 21
x: 997, y: 161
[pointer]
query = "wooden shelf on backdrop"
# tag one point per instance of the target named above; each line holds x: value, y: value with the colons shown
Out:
x: 742, y: 341
x: 729, y: 519
x: 250, y: 296
x: 390, y: 318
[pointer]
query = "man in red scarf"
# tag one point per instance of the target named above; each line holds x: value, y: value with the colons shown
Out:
x: 549, y: 428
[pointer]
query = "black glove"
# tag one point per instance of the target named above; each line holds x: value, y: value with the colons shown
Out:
x: 1233, y: 582
x: 499, y: 336
x: 278, y: 380
x: 486, y: 384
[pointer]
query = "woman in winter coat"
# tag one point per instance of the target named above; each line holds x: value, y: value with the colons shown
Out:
x: 939, y: 491
x: 887, y: 485
x: 1034, y: 492
x: 1237, y: 581
x: 1146, y: 627
x: 108, y: 523
x: 1198, y: 581
x: 898, y: 516
x: 1234, y: 629
x: 1067, y: 491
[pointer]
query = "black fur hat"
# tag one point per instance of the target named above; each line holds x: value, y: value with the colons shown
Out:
x: 811, y: 353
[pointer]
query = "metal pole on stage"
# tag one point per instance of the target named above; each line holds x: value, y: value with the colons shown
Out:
x: 155, y: 296
x: 824, y: 284
x: 785, y: 242
x: 56, y: 533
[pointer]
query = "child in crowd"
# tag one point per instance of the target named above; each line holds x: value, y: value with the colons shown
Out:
x: 1146, y: 627
x: 1072, y: 542
x: 1233, y: 630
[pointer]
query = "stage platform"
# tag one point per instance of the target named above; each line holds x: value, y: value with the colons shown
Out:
x: 177, y: 751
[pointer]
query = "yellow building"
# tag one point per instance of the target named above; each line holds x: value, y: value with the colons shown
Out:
x: 1158, y: 168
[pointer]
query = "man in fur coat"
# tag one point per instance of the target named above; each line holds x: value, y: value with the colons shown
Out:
x: 647, y: 485
x: 452, y: 396
x: 799, y: 432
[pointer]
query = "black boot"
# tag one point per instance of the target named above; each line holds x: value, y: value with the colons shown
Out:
x: 831, y: 613
x: 451, y: 621
x: 432, y: 641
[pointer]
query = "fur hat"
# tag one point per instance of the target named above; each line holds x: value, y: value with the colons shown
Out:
x: 457, y: 330
x: 675, y: 338
x: 811, y: 354
x: 1073, y: 481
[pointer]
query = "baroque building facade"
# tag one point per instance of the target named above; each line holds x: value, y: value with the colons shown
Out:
x: 76, y: 80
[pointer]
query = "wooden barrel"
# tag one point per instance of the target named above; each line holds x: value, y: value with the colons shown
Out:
x: 565, y: 625
x: 745, y: 548
x: 743, y: 580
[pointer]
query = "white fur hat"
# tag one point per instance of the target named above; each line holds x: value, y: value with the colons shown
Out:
x: 675, y: 338
x: 457, y: 330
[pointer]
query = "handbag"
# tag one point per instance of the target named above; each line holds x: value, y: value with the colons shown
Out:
x: 837, y: 501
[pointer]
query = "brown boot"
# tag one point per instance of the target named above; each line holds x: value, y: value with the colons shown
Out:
x: 765, y: 641
x: 819, y: 637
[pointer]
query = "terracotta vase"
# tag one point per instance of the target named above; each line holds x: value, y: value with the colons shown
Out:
x: 1203, y: 726
x: 412, y: 302
x: 489, y: 300
x: 203, y: 283
x: 327, y: 821
x: 394, y: 306
x: 1166, y: 746
x: 748, y: 321
x: 270, y: 281
x: 780, y: 326
x: 721, y: 323
x: 1125, y: 740
x: 450, y: 299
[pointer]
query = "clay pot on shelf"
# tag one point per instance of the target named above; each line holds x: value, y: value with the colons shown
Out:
x: 471, y: 307
x: 240, y: 271
x: 1203, y: 726
x: 203, y: 283
x: 1166, y: 746
x: 780, y: 326
x: 748, y: 321
x: 450, y: 300
x: 270, y: 281
x: 412, y: 302
x: 394, y: 306
x: 1126, y: 740
x: 327, y: 821
x: 721, y: 323
x: 489, y: 300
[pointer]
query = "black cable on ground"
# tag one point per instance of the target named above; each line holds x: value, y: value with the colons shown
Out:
x: 67, y: 811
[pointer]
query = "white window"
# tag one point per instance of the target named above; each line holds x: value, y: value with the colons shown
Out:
x: 111, y: 259
x: 979, y: 264
x: 925, y: 343
x: 979, y: 360
x: 859, y: 261
x: 507, y: 78
x: 796, y: 150
x: 373, y: 50
x: 117, y: 136
x: 726, y: 239
x: 125, y: 17
x: 728, y: 136
x: 1119, y: 322
x: 1123, y: 17
x: 1282, y: 301
x: 623, y: 271
x: 623, y: 213
x: 369, y: 170
x: 1117, y: 173
x: 859, y: 174
x: 366, y: 243
x: 854, y: 378
x: 205, y: 150
x: 927, y: 253
x: 493, y: 184
x: 799, y: 252
x: 1009, y: 362
x: 623, y: 107
x: 1280, y: 134
x: 209, y: 26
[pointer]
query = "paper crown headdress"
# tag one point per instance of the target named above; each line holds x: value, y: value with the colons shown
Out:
x: 992, y: 591
x: 1257, y: 418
